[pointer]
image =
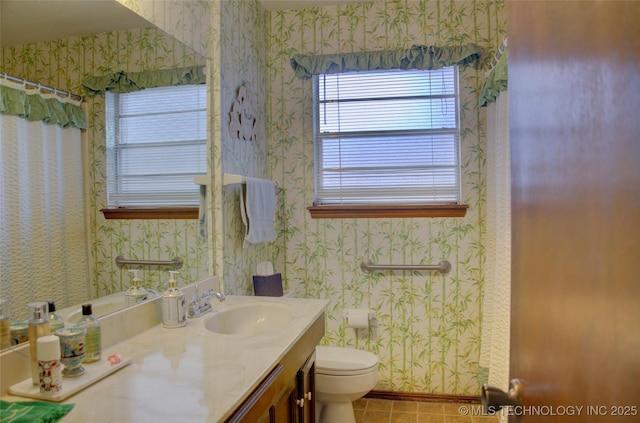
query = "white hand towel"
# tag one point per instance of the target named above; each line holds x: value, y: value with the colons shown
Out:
x: 259, y: 210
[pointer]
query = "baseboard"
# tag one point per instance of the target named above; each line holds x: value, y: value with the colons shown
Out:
x: 423, y: 397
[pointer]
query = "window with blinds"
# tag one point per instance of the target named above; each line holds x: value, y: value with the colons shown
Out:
x: 387, y: 137
x: 156, y: 145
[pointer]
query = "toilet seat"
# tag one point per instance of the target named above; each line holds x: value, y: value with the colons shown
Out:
x: 338, y: 361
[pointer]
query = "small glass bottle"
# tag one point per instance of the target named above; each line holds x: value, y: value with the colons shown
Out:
x: 55, y: 320
x: 38, y: 326
x: 5, y: 325
x: 93, y: 338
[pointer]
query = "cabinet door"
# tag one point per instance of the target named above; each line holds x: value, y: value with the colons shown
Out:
x: 306, y: 391
x: 284, y: 409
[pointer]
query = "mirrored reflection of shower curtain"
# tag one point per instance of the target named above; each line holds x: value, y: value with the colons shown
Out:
x: 43, y: 241
x: 494, y: 358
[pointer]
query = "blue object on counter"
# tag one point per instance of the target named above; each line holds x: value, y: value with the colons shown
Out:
x: 268, y: 286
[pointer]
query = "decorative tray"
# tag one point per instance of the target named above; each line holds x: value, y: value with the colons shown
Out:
x: 71, y: 385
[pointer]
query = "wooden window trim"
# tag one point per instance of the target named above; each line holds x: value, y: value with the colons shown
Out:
x: 342, y: 211
x: 160, y: 213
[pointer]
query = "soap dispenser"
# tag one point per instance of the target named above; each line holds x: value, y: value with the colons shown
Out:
x: 173, y: 305
x: 135, y: 293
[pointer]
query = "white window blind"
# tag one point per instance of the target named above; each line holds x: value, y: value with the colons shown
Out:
x: 387, y: 137
x: 156, y: 145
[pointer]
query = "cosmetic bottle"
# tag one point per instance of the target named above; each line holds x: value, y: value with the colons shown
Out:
x: 55, y: 320
x: 173, y: 307
x: 49, y: 365
x: 135, y: 293
x: 38, y: 326
x: 5, y: 325
x: 93, y: 338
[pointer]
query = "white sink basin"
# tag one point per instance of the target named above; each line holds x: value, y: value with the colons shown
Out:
x: 249, y: 319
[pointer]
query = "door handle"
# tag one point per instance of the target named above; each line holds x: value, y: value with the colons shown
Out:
x: 493, y: 399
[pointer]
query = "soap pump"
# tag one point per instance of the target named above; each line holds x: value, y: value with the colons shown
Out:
x: 173, y: 304
x: 135, y: 293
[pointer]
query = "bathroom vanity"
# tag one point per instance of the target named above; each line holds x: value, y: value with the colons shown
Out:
x: 287, y: 394
x: 212, y: 370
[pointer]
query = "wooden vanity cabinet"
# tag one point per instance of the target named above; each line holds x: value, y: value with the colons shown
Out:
x: 287, y: 393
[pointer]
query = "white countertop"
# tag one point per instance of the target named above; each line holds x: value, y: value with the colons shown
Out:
x: 188, y: 374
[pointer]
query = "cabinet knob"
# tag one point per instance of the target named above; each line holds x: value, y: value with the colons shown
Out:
x: 308, y: 395
x: 300, y: 402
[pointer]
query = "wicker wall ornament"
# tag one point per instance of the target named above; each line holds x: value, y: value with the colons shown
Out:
x: 242, y: 121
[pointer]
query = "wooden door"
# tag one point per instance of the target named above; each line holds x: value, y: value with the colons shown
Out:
x: 574, y: 90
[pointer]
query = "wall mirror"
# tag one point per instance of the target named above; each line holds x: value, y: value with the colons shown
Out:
x: 26, y: 22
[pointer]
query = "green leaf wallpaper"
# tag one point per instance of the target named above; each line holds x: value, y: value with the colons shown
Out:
x: 243, y: 51
x: 427, y: 333
x: 64, y: 64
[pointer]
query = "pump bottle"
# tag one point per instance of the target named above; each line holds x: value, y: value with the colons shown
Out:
x: 173, y: 305
x: 38, y: 326
x: 135, y: 293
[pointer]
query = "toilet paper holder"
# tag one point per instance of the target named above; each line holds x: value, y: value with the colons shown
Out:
x: 355, y: 318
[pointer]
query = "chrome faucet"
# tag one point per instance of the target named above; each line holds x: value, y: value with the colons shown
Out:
x: 200, y: 305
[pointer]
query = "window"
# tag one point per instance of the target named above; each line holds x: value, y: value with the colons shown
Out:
x: 156, y: 145
x: 387, y: 138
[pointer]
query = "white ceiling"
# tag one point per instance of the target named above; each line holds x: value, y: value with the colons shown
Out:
x: 30, y: 21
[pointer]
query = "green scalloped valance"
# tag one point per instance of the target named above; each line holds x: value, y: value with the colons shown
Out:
x: 415, y: 57
x: 35, y: 107
x: 122, y: 82
x: 496, y: 81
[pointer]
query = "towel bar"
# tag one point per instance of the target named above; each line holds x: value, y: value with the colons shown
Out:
x: 176, y: 263
x: 232, y: 179
x: 443, y: 267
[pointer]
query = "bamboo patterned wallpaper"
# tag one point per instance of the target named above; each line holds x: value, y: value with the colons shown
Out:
x: 244, y: 48
x: 64, y: 64
x: 427, y: 333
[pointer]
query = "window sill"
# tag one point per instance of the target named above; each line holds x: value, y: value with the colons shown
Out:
x: 337, y: 212
x: 151, y: 213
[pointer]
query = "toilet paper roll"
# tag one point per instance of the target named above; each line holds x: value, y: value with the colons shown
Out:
x: 358, y: 318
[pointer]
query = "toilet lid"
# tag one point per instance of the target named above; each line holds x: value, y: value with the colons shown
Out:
x: 344, y: 361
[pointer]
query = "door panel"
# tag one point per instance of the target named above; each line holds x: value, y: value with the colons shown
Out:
x: 574, y: 92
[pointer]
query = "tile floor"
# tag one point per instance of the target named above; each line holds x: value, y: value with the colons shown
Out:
x: 387, y: 411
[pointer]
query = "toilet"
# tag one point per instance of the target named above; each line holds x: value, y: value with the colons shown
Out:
x: 343, y: 375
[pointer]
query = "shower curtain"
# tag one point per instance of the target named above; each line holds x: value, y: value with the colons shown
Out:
x: 497, y: 294
x: 496, y: 310
x: 43, y: 242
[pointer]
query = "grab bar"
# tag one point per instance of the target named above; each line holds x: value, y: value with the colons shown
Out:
x: 443, y: 267
x: 176, y: 263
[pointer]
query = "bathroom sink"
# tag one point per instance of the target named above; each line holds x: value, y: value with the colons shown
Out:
x: 249, y: 319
